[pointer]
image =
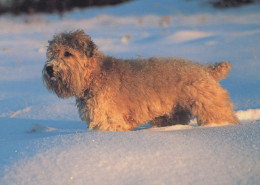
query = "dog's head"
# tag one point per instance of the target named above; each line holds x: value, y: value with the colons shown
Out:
x: 69, y: 62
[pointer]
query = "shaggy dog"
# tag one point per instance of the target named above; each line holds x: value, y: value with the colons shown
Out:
x: 116, y: 94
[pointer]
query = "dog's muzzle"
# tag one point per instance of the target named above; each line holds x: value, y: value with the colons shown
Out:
x: 50, y: 72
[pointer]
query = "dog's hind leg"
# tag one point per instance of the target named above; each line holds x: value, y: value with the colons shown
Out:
x: 210, y: 103
x: 178, y: 117
x: 181, y: 116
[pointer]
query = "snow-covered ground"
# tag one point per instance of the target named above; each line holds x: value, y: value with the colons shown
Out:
x: 42, y: 140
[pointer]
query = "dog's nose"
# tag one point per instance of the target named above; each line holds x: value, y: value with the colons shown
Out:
x: 49, y: 70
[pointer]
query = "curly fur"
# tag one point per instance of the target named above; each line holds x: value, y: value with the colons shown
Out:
x: 116, y: 94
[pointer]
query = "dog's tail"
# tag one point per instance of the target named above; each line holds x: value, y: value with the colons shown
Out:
x: 219, y: 70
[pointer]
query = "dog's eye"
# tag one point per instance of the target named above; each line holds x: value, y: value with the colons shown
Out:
x: 67, y: 54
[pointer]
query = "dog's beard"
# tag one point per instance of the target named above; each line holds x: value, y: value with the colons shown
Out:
x: 64, y: 82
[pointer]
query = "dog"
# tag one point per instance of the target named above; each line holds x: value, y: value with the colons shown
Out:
x: 120, y: 94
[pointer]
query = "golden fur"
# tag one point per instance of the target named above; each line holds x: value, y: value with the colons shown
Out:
x: 116, y: 94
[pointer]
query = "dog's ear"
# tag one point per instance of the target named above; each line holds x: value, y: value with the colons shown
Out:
x: 84, y: 41
x: 91, y: 48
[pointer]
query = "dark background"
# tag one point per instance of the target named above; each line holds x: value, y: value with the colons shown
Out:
x: 50, y: 6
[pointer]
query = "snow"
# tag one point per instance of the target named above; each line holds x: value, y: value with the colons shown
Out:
x: 250, y: 114
x: 210, y: 155
x: 43, y: 141
x: 185, y: 36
